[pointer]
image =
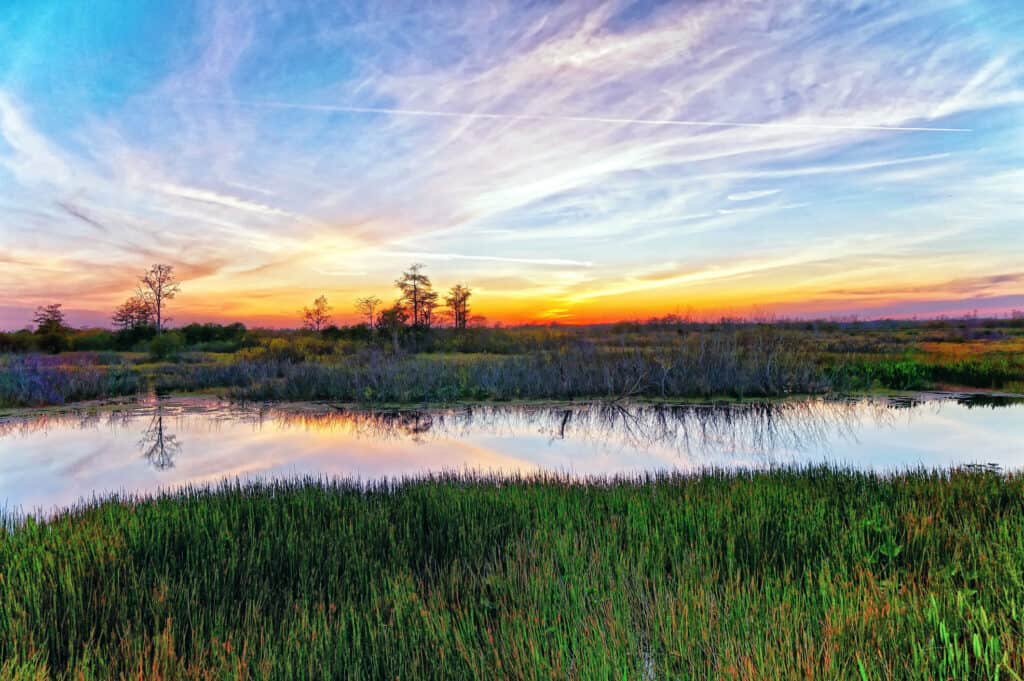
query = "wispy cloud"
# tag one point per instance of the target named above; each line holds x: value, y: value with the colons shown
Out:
x: 559, y: 262
x: 79, y: 213
x: 961, y: 286
x: 750, y: 196
x: 225, y: 200
x: 564, y: 118
x: 549, y: 149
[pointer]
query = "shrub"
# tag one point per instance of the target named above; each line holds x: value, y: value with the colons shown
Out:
x: 94, y: 339
x: 53, y: 342
x: 166, y: 345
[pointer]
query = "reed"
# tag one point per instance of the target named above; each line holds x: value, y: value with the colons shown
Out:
x: 813, y: 573
x: 652, y: 361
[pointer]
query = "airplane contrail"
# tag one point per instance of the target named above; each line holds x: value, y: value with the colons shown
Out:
x: 579, y: 119
x: 490, y: 258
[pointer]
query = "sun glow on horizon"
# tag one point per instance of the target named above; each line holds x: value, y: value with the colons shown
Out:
x: 571, y: 162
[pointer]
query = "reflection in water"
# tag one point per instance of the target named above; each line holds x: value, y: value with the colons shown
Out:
x: 693, y: 430
x: 157, y: 447
x: 760, y: 429
x: 58, y: 457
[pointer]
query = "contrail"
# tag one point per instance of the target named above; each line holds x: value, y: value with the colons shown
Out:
x: 489, y: 258
x: 578, y: 119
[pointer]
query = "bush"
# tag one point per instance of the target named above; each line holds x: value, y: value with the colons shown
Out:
x: 167, y: 345
x: 94, y: 340
x: 231, y: 335
x: 129, y: 339
x: 53, y: 342
x: 18, y: 341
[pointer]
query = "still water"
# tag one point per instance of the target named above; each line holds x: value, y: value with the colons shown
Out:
x: 54, y: 460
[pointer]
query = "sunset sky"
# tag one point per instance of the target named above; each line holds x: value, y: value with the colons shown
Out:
x: 570, y: 161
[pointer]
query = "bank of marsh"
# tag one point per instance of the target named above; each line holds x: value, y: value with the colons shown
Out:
x: 813, y: 573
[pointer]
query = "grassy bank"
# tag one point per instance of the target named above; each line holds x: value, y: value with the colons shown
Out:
x: 799, y: 574
x: 641, y: 361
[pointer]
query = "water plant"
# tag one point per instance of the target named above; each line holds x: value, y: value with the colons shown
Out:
x: 786, y: 574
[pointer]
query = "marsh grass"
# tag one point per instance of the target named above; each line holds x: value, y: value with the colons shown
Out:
x: 815, y: 573
x: 646, y: 361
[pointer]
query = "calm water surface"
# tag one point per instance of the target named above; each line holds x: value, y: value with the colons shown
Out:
x: 57, y: 459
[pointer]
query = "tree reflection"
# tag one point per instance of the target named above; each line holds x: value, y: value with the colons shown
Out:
x: 696, y: 430
x: 158, y: 447
x: 720, y: 433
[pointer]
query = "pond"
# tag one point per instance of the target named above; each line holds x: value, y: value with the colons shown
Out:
x: 56, y: 459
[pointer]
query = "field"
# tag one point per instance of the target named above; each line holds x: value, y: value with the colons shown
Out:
x: 656, y: 360
x: 813, y: 573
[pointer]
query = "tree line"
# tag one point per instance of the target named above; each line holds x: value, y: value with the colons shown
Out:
x: 418, y: 307
x: 139, y: 318
x: 143, y: 317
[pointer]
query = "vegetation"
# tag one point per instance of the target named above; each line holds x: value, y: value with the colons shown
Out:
x: 317, y: 318
x: 814, y: 573
x: 398, y: 363
x: 415, y: 351
x: 157, y: 286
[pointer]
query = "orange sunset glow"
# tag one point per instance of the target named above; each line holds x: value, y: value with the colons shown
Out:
x: 613, y: 164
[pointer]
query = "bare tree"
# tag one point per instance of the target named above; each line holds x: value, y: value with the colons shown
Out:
x: 49, y: 318
x: 417, y: 294
x: 156, y: 287
x: 133, y: 313
x: 367, y: 306
x: 457, y: 301
x: 318, y: 316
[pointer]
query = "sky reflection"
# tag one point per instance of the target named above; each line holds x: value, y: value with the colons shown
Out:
x: 57, y: 459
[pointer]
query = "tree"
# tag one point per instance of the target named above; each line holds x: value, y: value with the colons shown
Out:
x: 427, y: 307
x: 156, y: 287
x: 133, y: 314
x: 49, y: 319
x: 367, y: 306
x: 418, y: 295
x: 50, y: 328
x: 457, y: 301
x: 391, y: 322
x: 317, y: 317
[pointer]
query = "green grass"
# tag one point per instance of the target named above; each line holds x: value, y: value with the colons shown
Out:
x: 811, y: 573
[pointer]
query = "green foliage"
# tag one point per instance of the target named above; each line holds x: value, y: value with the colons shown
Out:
x: 93, y: 340
x: 215, y: 337
x: 53, y: 342
x: 789, y: 574
x: 18, y: 341
x: 166, y: 345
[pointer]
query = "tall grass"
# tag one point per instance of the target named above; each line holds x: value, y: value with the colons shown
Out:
x: 723, y: 364
x: 743, y: 360
x: 36, y: 380
x: 814, y: 573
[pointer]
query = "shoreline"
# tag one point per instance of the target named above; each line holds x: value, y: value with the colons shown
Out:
x: 326, y: 406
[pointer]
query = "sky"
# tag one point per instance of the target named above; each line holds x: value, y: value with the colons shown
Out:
x: 570, y: 161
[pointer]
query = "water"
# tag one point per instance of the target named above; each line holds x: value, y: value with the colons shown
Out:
x: 54, y: 460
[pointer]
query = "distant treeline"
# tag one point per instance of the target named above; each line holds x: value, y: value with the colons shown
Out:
x: 212, y: 337
x: 421, y: 319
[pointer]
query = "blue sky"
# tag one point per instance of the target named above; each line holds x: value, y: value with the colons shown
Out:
x: 570, y: 161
